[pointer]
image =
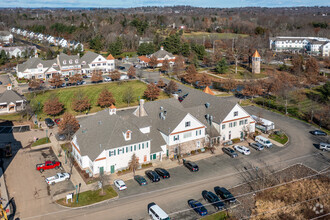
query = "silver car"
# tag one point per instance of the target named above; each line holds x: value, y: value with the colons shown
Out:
x: 256, y: 146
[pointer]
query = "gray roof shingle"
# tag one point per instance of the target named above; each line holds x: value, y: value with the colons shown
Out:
x: 10, y: 96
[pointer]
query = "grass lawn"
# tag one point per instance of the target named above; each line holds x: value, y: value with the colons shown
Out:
x: 90, y: 197
x: 41, y: 141
x: 216, y: 216
x: 281, y: 138
x: 200, y: 35
x: 241, y: 73
x: 66, y: 95
x: 11, y: 117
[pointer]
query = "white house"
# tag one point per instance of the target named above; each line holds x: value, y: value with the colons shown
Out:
x: 162, y: 55
x: 325, y: 49
x: 19, y: 51
x: 11, y: 101
x: 107, y: 140
x: 93, y: 61
x: 6, y: 37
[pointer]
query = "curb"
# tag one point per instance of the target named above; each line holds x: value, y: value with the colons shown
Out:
x: 86, y: 206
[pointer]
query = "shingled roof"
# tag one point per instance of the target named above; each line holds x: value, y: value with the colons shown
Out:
x: 10, y: 96
x: 89, y: 57
x: 162, y: 53
x: 103, y: 131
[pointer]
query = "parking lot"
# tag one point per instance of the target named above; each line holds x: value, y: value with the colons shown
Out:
x: 27, y: 185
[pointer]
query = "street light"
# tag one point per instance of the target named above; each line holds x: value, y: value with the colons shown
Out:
x: 78, y: 191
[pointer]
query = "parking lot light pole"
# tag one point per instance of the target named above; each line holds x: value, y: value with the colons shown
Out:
x: 46, y: 136
x: 78, y: 192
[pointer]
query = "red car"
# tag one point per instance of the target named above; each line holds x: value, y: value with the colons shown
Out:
x: 48, y: 165
x: 57, y: 120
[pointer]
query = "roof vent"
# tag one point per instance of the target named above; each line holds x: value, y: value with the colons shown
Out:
x: 162, y: 116
x: 165, y: 113
x: 207, y: 105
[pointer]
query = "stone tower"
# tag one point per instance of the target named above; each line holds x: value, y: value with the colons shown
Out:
x: 256, y: 62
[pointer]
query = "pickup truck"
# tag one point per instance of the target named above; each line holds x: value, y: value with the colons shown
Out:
x: 48, y: 165
x: 59, y: 177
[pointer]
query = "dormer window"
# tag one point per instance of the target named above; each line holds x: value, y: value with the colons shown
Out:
x: 187, y: 124
x: 128, y: 135
x: 83, y: 63
x: 99, y: 59
x: 235, y: 113
x: 64, y: 61
x: 70, y: 61
x: 76, y: 61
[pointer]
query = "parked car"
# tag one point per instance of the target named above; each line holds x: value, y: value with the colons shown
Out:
x: 59, y: 177
x: 85, y: 77
x: 163, y: 173
x: 318, y: 133
x: 324, y: 146
x: 264, y: 141
x: 82, y: 82
x: 48, y: 165
x: 213, y: 199
x: 121, y: 67
x: 63, y: 85
x: 57, y: 120
x: 179, y: 90
x: 190, y: 165
x: 224, y: 194
x: 156, y: 213
x: 141, y: 180
x: 230, y: 152
x: 97, y: 81
x: 107, y: 79
x: 198, y: 207
x: 0, y: 83
x: 49, y: 122
x: 152, y: 175
x: 120, y: 184
x: 66, y: 79
x: 68, y: 84
x: 242, y: 149
x: 60, y: 137
x: 256, y: 146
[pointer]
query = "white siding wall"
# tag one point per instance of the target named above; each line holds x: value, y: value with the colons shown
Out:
x: 234, y: 124
x: 187, y: 133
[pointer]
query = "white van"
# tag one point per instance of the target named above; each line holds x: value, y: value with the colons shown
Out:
x: 156, y: 212
x: 264, y: 141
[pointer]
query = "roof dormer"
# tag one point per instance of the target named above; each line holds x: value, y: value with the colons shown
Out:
x: 112, y: 110
x: 128, y: 135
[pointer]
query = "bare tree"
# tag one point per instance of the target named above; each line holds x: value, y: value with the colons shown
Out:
x: 128, y: 95
x: 133, y: 164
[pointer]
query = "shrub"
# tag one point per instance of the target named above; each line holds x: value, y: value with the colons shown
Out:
x: 236, y: 140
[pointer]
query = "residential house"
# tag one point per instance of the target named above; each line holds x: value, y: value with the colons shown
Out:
x: 93, y: 61
x: 143, y: 61
x: 11, y: 101
x: 325, y: 49
x: 162, y: 55
x: 69, y: 64
x: 19, y: 51
x: 6, y: 37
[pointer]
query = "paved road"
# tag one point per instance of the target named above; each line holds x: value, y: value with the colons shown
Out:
x: 172, y: 194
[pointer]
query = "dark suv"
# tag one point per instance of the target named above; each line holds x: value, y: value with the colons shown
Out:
x: 230, y: 152
x: 224, y: 194
x: 213, y: 199
x: 49, y: 122
x: 163, y: 173
x: 152, y: 175
x: 318, y: 133
x: 190, y: 165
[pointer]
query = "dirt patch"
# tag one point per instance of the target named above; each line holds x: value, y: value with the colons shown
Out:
x: 292, y: 187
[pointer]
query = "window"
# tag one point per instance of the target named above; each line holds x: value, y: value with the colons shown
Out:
x: 196, y: 132
x: 76, y: 61
x: 99, y: 59
x: 134, y: 147
x: 223, y: 126
x: 111, y: 153
x: 187, y: 135
x: 200, y: 132
x: 128, y: 135
x: 230, y: 125
x: 99, y: 64
x: 131, y: 148
x: 241, y: 122
x: 118, y: 151
x: 64, y: 62
x: 123, y: 150
x: 187, y: 124
x: 70, y: 61
x: 104, y: 64
x: 139, y: 146
x: 198, y: 144
x: 126, y: 149
x: 147, y: 144
x: 142, y: 145
x: 235, y: 124
x: 93, y: 64
x: 246, y: 121
x: 235, y: 113
x: 176, y: 137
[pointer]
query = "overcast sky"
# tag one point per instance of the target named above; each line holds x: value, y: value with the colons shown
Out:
x: 137, y: 3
